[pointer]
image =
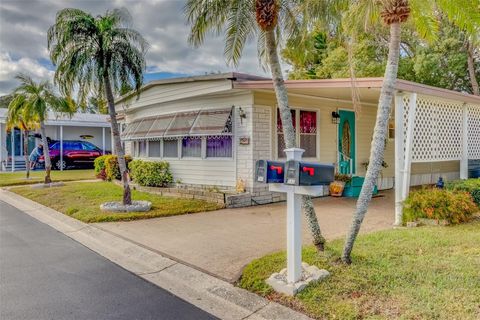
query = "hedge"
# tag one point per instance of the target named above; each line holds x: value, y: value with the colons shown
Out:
x: 471, y: 186
x: 439, y: 204
x: 106, y: 167
x: 151, y: 173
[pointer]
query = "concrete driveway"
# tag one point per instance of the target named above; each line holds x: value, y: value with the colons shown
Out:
x: 222, y: 242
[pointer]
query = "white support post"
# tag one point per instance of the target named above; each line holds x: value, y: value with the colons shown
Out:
x: 464, y: 160
x: 412, y: 110
x: 103, y: 140
x: 21, y: 142
x: 399, y: 157
x: 294, y: 226
x: 61, y: 148
x: 12, y: 147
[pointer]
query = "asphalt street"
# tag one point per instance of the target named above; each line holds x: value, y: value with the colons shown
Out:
x: 46, y: 275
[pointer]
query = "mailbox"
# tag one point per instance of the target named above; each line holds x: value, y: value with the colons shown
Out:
x: 308, y: 174
x: 269, y: 171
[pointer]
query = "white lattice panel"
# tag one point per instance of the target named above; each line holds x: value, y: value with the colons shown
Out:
x: 437, y: 133
x: 473, y: 131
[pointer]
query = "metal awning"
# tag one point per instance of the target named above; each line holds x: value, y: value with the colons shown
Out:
x: 129, y: 130
x: 182, y: 123
x: 197, y: 122
x: 160, y: 126
x: 142, y: 129
x: 213, y: 122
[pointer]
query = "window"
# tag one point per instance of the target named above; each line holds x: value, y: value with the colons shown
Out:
x: 142, y: 148
x: 280, y: 140
x: 89, y: 146
x: 55, y: 146
x: 154, y: 149
x: 306, y: 137
x: 391, y: 129
x: 192, y: 147
x: 219, y: 147
x: 308, y: 133
x: 170, y: 148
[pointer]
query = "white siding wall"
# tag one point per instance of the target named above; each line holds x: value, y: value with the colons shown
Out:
x: 173, y: 92
x: 204, y: 171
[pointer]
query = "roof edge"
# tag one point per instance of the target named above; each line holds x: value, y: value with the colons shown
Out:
x: 234, y: 76
x: 401, y: 85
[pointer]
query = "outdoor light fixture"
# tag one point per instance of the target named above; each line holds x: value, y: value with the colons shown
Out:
x: 242, y: 114
x: 335, y: 117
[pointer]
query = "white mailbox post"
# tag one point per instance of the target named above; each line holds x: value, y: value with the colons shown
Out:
x: 291, y: 282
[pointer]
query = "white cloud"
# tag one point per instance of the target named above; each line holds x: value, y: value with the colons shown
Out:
x: 23, y: 40
x: 9, y: 68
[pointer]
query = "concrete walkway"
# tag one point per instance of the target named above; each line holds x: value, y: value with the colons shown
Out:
x: 222, y: 242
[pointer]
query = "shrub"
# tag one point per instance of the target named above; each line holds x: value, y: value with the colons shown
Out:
x: 471, y: 186
x: 99, y: 167
x: 151, y: 174
x: 439, y: 204
x: 112, y: 170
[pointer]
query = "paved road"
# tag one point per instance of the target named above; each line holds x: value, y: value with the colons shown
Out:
x: 46, y: 275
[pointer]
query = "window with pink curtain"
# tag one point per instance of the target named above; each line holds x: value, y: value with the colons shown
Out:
x: 308, y: 133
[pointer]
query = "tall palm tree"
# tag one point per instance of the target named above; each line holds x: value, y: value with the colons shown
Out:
x: 423, y: 15
x: 94, y: 54
x: 267, y: 20
x: 29, y: 108
x: 472, y: 46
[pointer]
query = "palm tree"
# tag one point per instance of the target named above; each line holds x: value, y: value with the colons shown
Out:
x: 95, y: 54
x: 472, y: 43
x: 268, y: 20
x: 29, y: 108
x: 423, y: 15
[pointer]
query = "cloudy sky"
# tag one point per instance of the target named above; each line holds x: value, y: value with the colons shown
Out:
x: 23, y: 41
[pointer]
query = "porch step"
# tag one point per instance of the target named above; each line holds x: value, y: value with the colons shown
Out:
x: 19, y: 166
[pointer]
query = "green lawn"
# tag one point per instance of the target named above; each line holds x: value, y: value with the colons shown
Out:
x: 417, y: 273
x: 18, y: 178
x: 82, y: 201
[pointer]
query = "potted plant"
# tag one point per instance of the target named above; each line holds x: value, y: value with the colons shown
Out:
x: 337, y: 186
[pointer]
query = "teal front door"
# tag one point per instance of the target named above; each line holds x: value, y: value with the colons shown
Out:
x: 346, y: 142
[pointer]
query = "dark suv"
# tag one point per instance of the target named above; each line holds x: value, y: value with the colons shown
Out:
x: 76, y: 153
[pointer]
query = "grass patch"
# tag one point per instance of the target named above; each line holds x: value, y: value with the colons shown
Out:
x: 82, y: 201
x: 418, y: 273
x: 18, y: 178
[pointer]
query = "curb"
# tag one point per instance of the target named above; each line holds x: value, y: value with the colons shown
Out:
x: 209, y: 293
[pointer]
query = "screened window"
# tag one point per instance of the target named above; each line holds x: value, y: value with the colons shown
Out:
x: 170, y: 148
x: 154, y: 149
x: 192, y: 147
x: 219, y: 147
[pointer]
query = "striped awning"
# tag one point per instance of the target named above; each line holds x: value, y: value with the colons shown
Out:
x: 209, y: 122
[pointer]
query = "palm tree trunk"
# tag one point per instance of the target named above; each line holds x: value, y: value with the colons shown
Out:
x: 127, y: 195
x: 46, y: 153
x: 25, y: 154
x: 471, y: 69
x: 288, y: 132
x: 378, y: 142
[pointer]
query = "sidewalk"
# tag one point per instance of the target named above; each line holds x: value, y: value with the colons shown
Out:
x: 222, y: 242
x: 209, y: 293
